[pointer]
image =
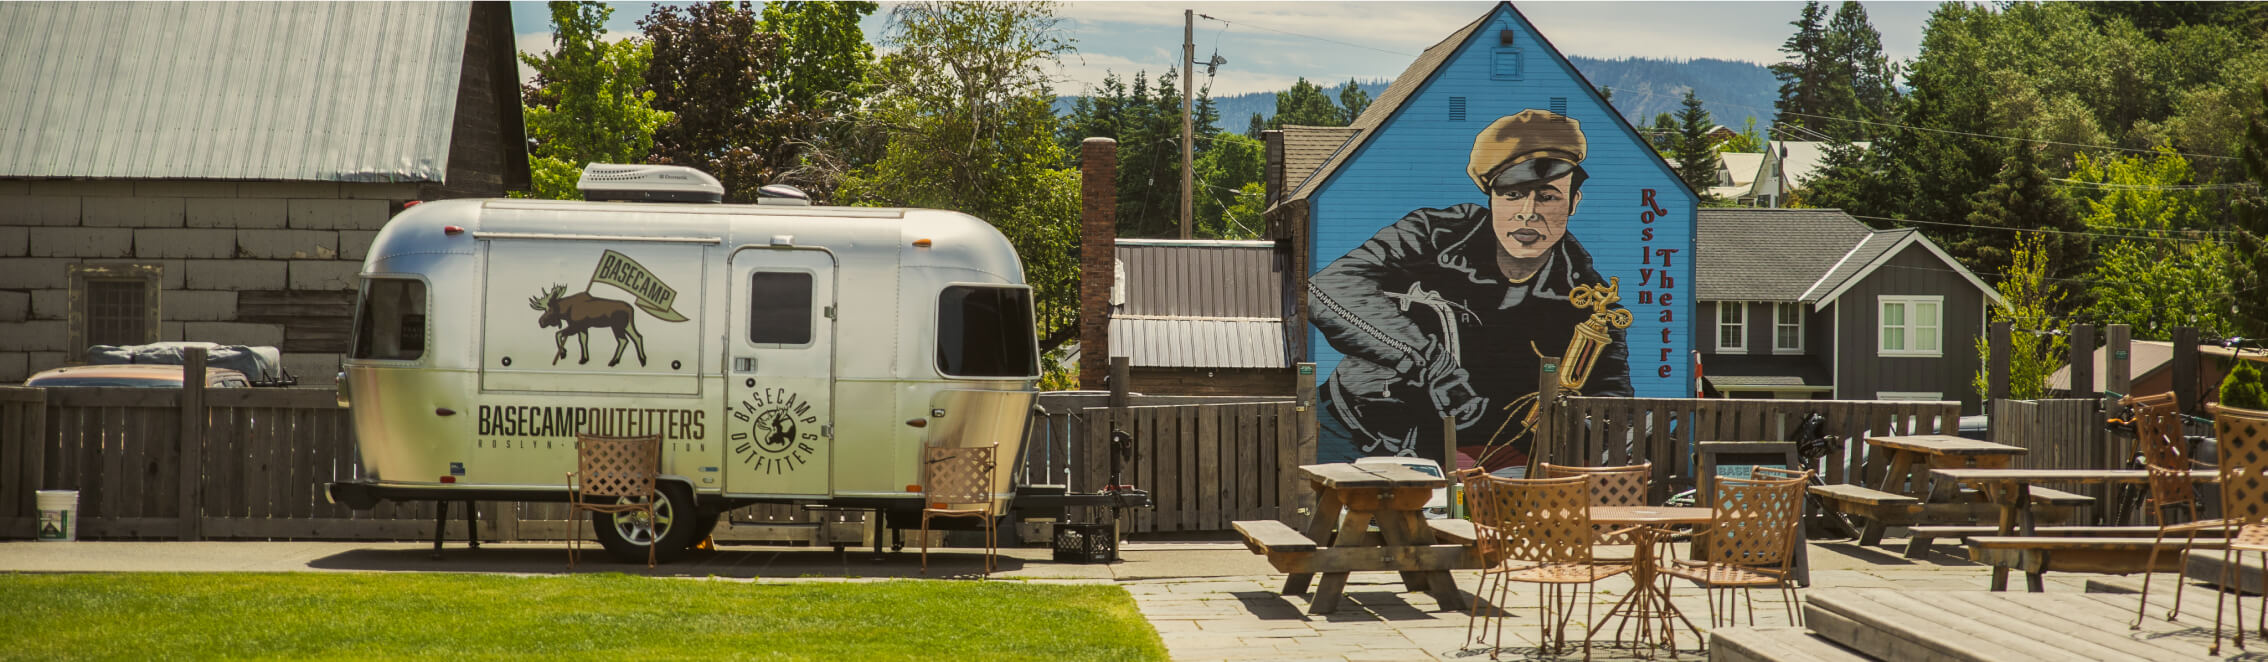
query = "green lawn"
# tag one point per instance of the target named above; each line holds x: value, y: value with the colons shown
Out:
x: 581, y: 617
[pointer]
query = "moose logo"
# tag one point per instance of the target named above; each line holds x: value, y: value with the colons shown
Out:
x: 577, y: 314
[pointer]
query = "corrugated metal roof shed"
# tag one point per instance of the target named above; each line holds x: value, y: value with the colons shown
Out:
x: 1200, y: 304
x: 1170, y: 342
x: 1201, y: 278
x: 307, y: 91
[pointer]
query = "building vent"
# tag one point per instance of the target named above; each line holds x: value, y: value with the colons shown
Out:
x: 1456, y: 109
x: 1504, y: 64
x: 648, y: 183
x: 1559, y: 109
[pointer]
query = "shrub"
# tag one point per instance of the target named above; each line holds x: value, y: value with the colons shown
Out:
x: 2243, y: 387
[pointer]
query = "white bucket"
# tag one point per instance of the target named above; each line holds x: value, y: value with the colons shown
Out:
x: 58, y: 515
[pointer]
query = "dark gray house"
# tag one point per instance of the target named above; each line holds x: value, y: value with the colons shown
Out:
x: 1813, y: 304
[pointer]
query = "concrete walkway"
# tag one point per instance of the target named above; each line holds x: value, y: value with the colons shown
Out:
x: 1208, y: 600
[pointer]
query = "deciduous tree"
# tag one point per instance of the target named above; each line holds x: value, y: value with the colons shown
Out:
x: 587, y: 102
x: 2033, y: 353
x: 965, y: 108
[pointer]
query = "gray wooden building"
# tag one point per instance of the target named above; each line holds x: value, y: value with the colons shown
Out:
x: 215, y: 171
x: 1200, y: 317
x: 1812, y: 304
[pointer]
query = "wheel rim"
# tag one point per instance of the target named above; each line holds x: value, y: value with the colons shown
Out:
x: 639, y: 529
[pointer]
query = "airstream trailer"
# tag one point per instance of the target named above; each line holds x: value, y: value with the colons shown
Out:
x: 786, y: 353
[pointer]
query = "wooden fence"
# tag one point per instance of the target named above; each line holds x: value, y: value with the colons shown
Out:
x: 1615, y: 431
x: 1206, y: 461
x: 233, y: 463
x: 2064, y: 434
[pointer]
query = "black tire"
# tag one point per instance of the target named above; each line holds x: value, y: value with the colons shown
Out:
x: 672, y: 529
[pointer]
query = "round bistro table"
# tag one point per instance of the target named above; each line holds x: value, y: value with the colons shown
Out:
x: 1647, y: 603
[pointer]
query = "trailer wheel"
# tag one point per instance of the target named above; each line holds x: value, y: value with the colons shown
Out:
x: 672, y: 528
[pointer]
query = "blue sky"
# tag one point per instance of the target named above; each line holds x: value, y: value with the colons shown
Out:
x: 1269, y: 45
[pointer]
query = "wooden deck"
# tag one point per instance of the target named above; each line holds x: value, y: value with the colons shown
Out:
x: 1891, y: 624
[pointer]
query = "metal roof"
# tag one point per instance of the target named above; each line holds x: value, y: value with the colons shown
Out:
x: 1200, y: 304
x: 1185, y: 342
x: 1201, y: 278
x: 307, y: 91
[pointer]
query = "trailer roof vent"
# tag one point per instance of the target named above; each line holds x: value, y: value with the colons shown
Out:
x: 648, y: 183
x: 782, y: 194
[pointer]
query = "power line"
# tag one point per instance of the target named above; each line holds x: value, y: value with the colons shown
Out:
x: 1948, y: 131
x: 2113, y: 235
x: 2153, y: 187
x: 1309, y: 36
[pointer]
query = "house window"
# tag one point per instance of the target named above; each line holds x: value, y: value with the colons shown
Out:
x: 112, y: 304
x: 1911, y: 325
x: 1787, y: 328
x: 1732, y: 327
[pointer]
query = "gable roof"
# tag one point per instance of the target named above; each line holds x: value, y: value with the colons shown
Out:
x: 1769, y: 254
x: 1421, y: 70
x: 1307, y: 148
x: 1798, y: 255
x: 308, y: 91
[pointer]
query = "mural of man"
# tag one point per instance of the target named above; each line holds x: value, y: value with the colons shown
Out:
x: 1445, y: 312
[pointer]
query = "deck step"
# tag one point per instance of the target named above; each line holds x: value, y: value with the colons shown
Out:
x: 1775, y: 644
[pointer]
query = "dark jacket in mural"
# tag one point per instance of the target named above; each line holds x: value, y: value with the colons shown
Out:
x: 1384, y: 305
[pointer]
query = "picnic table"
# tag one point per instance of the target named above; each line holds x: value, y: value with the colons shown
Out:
x: 1904, y: 495
x: 2017, y: 545
x: 1349, y: 499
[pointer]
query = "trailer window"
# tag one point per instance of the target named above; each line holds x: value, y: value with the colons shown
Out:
x: 779, y: 308
x: 391, y: 321
x: 986, y: 332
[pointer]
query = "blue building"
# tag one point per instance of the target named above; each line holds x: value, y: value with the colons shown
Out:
x: 1489, y: 209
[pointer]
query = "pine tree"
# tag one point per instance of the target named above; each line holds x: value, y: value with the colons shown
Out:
x: 1802, y: 77
x: 1861, y: 82
x: 1353, y: 99
x: 1694, y: 158
x: 2019, y: 202
x: 2251, y: 212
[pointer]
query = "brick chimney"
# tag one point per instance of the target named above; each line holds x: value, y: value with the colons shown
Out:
x: 1098, y: 250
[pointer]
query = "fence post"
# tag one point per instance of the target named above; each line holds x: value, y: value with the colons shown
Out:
x: 2185, y: 369
x: 2082, y: 387
x: 192, y: 438
x: 1543, y: 437
x: 1996, y: 379
x: 2119, y: 382
x: 1304, y: 447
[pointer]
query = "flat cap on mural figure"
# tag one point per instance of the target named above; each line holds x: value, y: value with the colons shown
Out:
x: 1532, y: 145
x: 1446, y: 312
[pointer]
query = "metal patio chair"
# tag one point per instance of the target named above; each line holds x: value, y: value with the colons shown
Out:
x: 621, y: 469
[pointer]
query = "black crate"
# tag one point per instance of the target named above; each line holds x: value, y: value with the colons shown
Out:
x: 1085, y: 543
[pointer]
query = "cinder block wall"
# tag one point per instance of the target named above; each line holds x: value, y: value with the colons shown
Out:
x: 251, y: 263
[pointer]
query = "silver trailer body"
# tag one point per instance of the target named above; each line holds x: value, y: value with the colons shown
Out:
x: 786, y: 354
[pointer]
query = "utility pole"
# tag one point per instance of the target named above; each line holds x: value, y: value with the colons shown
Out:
x: 1188, y: 62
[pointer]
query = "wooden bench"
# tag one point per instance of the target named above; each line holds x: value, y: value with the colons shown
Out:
x: 1775, y: 644
x: 1881, y: 509
x: 1453, y: 531
x: 1920, y: 537
x: 1272, y: 537
x: 2038, y: 555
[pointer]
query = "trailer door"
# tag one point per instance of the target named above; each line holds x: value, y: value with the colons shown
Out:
x: 779, y: 430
